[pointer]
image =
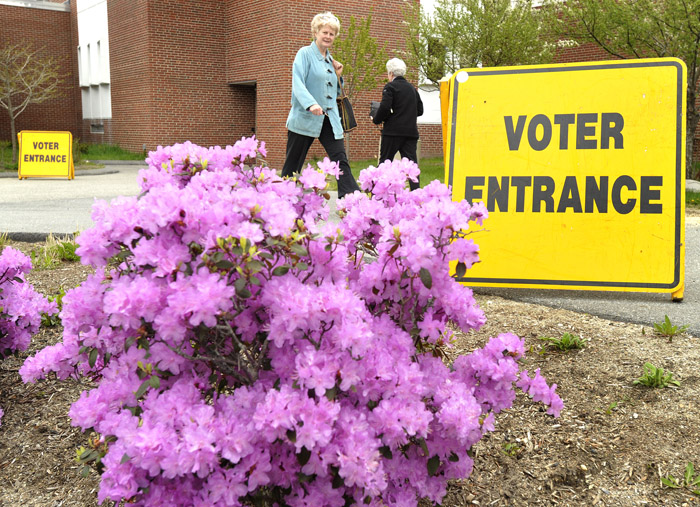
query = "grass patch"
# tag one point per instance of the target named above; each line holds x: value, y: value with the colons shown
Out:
x: 53, y: 252
x: 692, y: 199
x: 6, y: 156
x: 83, y: 154
x: 568, y: 341
x: 107, y: 152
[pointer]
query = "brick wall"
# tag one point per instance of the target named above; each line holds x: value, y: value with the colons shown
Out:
x: 130, y: 72
x: 430, y: 140
x: 167, y: 66
x: 261, y: 43
x: 208, y: 72
x: 584, y: 53
x: 50, y: 32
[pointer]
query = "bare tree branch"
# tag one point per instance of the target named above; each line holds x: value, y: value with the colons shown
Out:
x: 26, y: 77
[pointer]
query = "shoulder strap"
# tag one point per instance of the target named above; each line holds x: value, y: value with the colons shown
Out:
x: 340, y: 83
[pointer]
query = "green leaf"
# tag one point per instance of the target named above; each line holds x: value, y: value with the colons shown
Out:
x: 241, y: 289
x: 385, y: 451
x: 129, y: 342
x: 85, y: 471
x: 305, y: 478
x: 670, y: 481
x: 255, y: 266
x: 331, y: 393
x: 92, y: 358
x: 338, y: 481
x: 88, y: 456
x: 125, y: 458
x: 243, y: 293
x: 292, y: 435
x: 224, y: 264
x: 154, y: 382
x: 426, y: 278
x: 300, y: 250
x: 303, y: 456
x: 433, y: 465
x: 280, y: 270
x: 423, y: 445
x: 142, y: 388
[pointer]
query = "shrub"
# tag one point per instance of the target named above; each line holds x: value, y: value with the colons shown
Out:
x: 21, y: 306
x: 53, y: 252
x: 665, y: 328
x: 567, y: 342
x: 244, y: 350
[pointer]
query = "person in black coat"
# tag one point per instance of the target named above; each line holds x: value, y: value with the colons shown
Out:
x: 399, y: 111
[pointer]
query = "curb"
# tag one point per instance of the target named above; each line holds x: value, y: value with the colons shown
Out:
x: 120, y: 162
x: 79, y: 172
x: 35, y: 237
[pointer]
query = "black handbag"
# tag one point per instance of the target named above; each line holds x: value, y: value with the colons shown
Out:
x: 347, y: 115
x: 373, y: 108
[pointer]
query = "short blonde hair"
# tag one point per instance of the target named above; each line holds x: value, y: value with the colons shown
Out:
x: 323, y: 19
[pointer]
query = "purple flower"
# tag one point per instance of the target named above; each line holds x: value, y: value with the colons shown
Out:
x: 241, y: 344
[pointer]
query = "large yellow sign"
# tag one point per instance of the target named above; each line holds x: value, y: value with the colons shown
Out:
x: 45, y: 154
x: 582, y: 169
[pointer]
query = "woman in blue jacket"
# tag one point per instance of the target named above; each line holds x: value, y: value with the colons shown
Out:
x: 314, y: 113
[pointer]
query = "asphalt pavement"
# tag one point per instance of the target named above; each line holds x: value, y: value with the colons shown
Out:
x: 30, y: 209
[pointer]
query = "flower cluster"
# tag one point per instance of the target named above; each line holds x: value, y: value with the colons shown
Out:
x: 246, y: 347
x: 20, y: 305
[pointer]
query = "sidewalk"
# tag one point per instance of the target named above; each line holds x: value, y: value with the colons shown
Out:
x: 33, y: 208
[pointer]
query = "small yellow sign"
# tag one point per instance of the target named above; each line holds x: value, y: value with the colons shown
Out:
x: 45, y: 154
x: 582, y: 169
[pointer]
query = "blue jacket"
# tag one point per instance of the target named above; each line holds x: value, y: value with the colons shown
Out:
x: 314, y: 81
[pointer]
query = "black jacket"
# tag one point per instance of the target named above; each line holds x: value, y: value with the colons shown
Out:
x: 400, y: 107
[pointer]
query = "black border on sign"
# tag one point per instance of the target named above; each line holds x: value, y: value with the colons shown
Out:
x: 679, y: 168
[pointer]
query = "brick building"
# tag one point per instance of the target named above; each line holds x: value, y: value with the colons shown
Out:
x: 50, y: 30
x: 142, y: 73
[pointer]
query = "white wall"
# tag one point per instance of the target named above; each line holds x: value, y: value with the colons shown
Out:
x: 93, y: 58
x: 431, y: 104
x: 428, y: 93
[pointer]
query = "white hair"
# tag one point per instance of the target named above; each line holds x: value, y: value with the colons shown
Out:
x: 324, y: 19
x: 396, y: 66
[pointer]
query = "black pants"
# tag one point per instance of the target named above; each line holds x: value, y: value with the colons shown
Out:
x: 298, y: 146
x: 407, y: 146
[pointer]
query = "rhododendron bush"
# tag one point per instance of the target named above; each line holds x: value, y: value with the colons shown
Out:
x: 247, y: 349
x: 20, y: 305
